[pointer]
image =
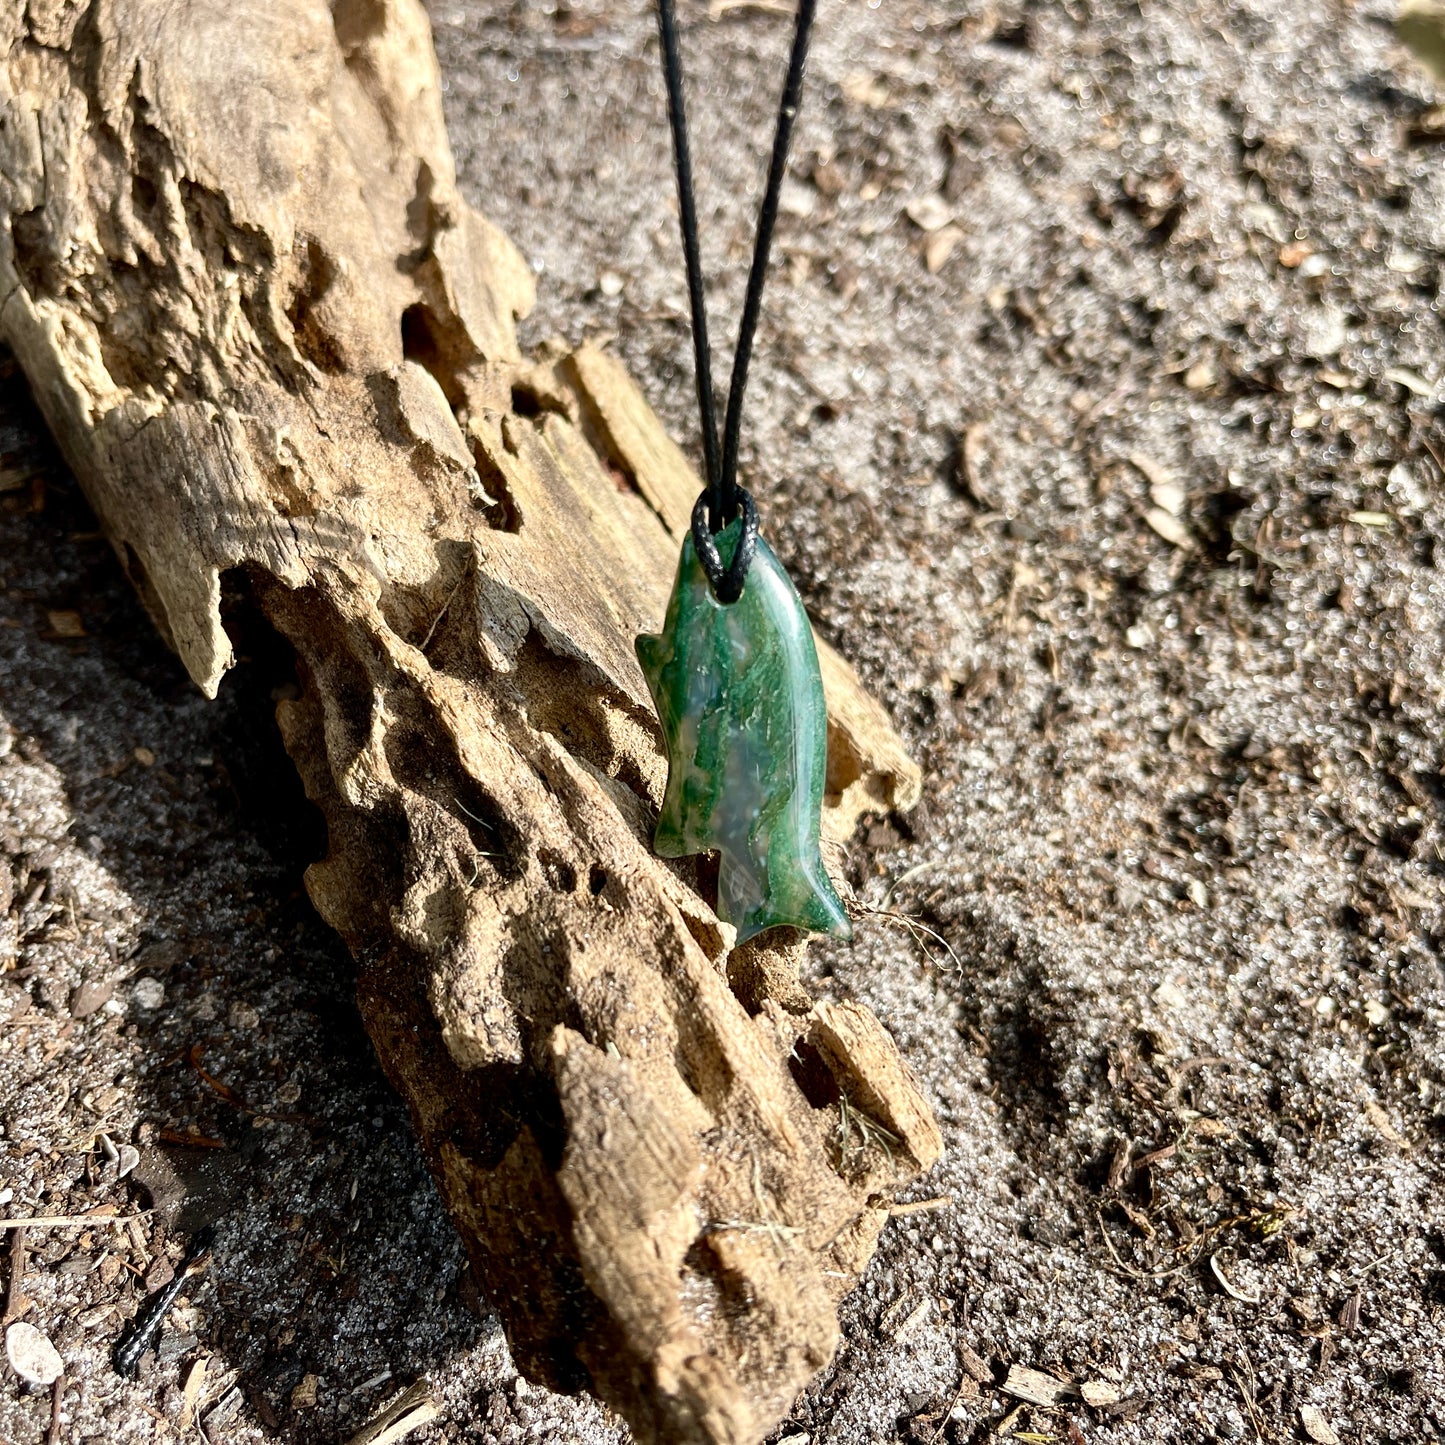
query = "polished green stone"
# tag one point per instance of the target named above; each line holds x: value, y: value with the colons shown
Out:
x: 740, y: 699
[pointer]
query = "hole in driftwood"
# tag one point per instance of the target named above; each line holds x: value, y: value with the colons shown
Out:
x: 33, y: 262
x: 315, y: 275
x: 357, y: 21
x: 440, y: 346
x: 143, y: 193
x: 252, y: 758
x: 812, y: 1075
x: 493, y: 498
x: 561, y: 876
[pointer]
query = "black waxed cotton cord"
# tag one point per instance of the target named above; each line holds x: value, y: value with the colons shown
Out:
x: 723, y: 498
x: 687, y: 210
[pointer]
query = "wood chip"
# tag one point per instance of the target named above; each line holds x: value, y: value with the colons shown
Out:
x: 52, y: 1435
x: 914, y: 1322
x: 920, y: 1206
x: 15, y: 1302
x: 866, y: 90
x: 1169, y: 527
x: 970, y: 466
x: 104, y: 1214
x: 1099, y: 1392
x: 929, y: 213
x: 1316, y: 1426
x: 65, y: 623
x: 1383, y: 1125
x: 1410, y: 380
x: 410, y: 1410
x: 303, y: 1397
x: 1005, y: 1427
x: 1164, y: 489
x: 1152, y: 472
x: 90, y: 997
x: 1036, y: 1387
x: 1201, y: 376
x: 974, y: 1365
x: 939, y: 247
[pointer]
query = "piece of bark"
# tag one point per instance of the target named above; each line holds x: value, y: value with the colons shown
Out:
x: 278, y: 351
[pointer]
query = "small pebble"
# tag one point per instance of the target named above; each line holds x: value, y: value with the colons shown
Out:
x: 149, y: 993
x: 90, y: 997
x: 243, y: 1016
x: 31, y: 1355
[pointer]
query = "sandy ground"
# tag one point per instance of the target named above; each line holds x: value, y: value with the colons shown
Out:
x: 1164, y: 939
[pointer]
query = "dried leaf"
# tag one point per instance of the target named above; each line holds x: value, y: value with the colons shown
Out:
x: 1316, y: 1426
x: 191, y: 1394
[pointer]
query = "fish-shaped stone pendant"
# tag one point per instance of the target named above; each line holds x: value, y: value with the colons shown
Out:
x: 740, y: 699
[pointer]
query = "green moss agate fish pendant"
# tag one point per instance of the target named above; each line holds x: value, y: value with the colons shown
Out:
x: 740, y: 699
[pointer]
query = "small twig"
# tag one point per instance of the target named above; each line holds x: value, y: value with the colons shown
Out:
x: 1130, y: 1272
x: 920, y: 1206
x: 1360, y: 1271
x: 412, y: 1409
x: 17, y: 1275
x: 917, y: 871
x: 52, y: 1435
x: 755, y: 1226
x: 963, y: 1379
x: 870, y: 1131
x: 446, y: 607
x: 67, y: 1221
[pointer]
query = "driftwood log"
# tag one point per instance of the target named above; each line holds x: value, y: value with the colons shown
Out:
x: 278, y: 351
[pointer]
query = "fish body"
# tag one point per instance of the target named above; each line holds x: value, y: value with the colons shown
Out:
x: 740, y: 698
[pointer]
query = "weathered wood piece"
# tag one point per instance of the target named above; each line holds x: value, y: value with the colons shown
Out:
x: 278, y: 351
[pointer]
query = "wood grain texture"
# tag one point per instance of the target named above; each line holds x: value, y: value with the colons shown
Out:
x: 278, y: 351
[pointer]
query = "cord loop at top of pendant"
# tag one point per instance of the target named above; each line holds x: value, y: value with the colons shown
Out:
x: 726, y: 582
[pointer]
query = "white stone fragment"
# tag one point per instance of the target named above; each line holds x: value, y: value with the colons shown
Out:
x: 32, y: 1356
